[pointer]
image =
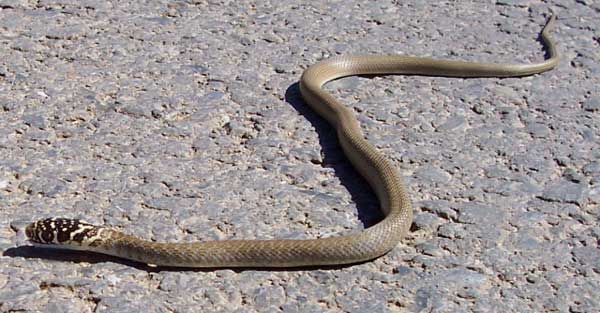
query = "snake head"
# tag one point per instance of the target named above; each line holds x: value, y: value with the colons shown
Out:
x: 60, y: 231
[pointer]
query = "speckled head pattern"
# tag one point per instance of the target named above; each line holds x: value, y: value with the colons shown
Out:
x: 62, y: 231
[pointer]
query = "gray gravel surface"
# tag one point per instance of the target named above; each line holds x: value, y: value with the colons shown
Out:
x: 181, y: 121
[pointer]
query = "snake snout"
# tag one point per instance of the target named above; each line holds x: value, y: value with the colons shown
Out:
x: 30, y: 232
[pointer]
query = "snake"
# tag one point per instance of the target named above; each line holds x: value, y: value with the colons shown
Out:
x: 379, y: 172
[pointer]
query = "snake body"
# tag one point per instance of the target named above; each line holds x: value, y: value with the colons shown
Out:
x: 379, y: 172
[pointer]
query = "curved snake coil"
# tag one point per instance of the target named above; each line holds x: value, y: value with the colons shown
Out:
x: 374, y: 166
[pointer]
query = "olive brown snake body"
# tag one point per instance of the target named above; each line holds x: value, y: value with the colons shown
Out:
x: 374, y: 166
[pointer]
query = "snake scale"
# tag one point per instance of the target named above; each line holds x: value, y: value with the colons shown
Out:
x: 379, y: 172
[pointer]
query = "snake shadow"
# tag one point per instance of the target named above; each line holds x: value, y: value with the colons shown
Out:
x: 71, y: 256
x: 366, y: 203
x: 362, y: 195
x: 77, y: 257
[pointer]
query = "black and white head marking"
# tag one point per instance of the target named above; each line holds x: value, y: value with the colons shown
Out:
x: 62, y: 231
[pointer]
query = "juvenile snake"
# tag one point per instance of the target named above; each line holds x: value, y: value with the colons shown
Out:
x: 379, y: 172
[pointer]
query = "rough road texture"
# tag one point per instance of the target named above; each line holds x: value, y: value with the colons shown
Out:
x: 181, y: 121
